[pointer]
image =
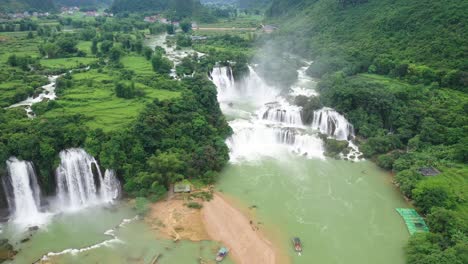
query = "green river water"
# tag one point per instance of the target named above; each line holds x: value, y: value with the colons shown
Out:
x: 136, y: 242
x: 343, y: 212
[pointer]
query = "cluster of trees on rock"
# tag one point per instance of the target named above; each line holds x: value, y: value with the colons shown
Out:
x: 170, y: 141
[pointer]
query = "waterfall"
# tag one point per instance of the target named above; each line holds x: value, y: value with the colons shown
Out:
x: 22, y: 190
x: 331, y: 123
x: 110, y: 186
x: 272, y: 130
x: 282, y: 112
x: 252, y: 89
x: 78, y: 186
x: 266, y: 124
x: 222, y: 78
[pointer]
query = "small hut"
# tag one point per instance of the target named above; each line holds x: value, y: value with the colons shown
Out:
x: 182, y: 187
x: 428, y: 171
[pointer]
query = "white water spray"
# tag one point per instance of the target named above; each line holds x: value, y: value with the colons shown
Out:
x: 23, y: 193
x: 331, y: 123
x: 274, y: 127
x: 110, y: 186
x: 78, y: 177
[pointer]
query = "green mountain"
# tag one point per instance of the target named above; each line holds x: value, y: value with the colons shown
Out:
x: 26, y: 5
x: 425, y: 32
x: 83, y: 3
x: 182, y: 7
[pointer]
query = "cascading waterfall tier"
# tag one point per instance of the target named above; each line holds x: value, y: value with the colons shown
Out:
x: 274, y: 129
x: 252, y: 90
x: 282, y: 112
x: 110, y: 186
x: 23, y: 192
x: 80, y: 182
x: 331, y: 123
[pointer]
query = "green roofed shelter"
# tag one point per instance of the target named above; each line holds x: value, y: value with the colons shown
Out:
x: 414, y: 222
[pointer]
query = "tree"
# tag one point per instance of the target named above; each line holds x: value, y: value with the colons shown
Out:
x: 186, y: 25
x: 67, y: 44
x: 428, y: 194
x: 115, y: 53
x: 106, y: 45
x: 125, y: 91
x: 442, y: 221
x: 88, y: 34
x: 170, y: 29
x: 147, y: 52
x: 49, y: 50
x: 161, y: 64
x: 94, y: 47
x: 168, y: 166
x: 184, y: 41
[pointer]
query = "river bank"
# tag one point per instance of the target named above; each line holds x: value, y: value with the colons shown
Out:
x: 219, y: 220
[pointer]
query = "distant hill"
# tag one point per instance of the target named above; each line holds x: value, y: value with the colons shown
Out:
x: 240, y: 3
x: 26, y: 5
x: 47, y: 5
x: 426, y: 32
x: 181, y: 8
x: 82, y: 3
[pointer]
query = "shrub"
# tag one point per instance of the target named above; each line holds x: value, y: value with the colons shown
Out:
x: 194, y: 205
x: 141, y: 206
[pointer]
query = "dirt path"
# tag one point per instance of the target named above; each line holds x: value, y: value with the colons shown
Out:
x: 225, y: 223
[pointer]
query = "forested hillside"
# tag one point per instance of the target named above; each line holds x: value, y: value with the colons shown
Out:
x: 83, y: 3
x: 397, y: 70
x: 182, y: 7
x: 26, y: 5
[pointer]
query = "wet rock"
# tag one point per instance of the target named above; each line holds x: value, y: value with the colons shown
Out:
x: 6, y: 250
x: 33, y: 228
x: 25, y: 240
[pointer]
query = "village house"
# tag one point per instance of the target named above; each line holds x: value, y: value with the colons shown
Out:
x: 156, y: 18
x: 268, y: 28
x: 92, y: 14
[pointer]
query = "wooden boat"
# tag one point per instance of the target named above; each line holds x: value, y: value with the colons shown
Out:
x: 297, y: 244
x: 222, y: 253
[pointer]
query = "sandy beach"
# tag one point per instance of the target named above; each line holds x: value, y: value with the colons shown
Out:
x: 218, y: 220
x: 225, y: 223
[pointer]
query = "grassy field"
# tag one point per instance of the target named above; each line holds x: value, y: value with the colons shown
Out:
x: 17, y: 43
x: 85, y: 46
x: 138, y: 64
x: 93, y: 96
x: 67, y: 63
x: 456, y: 178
